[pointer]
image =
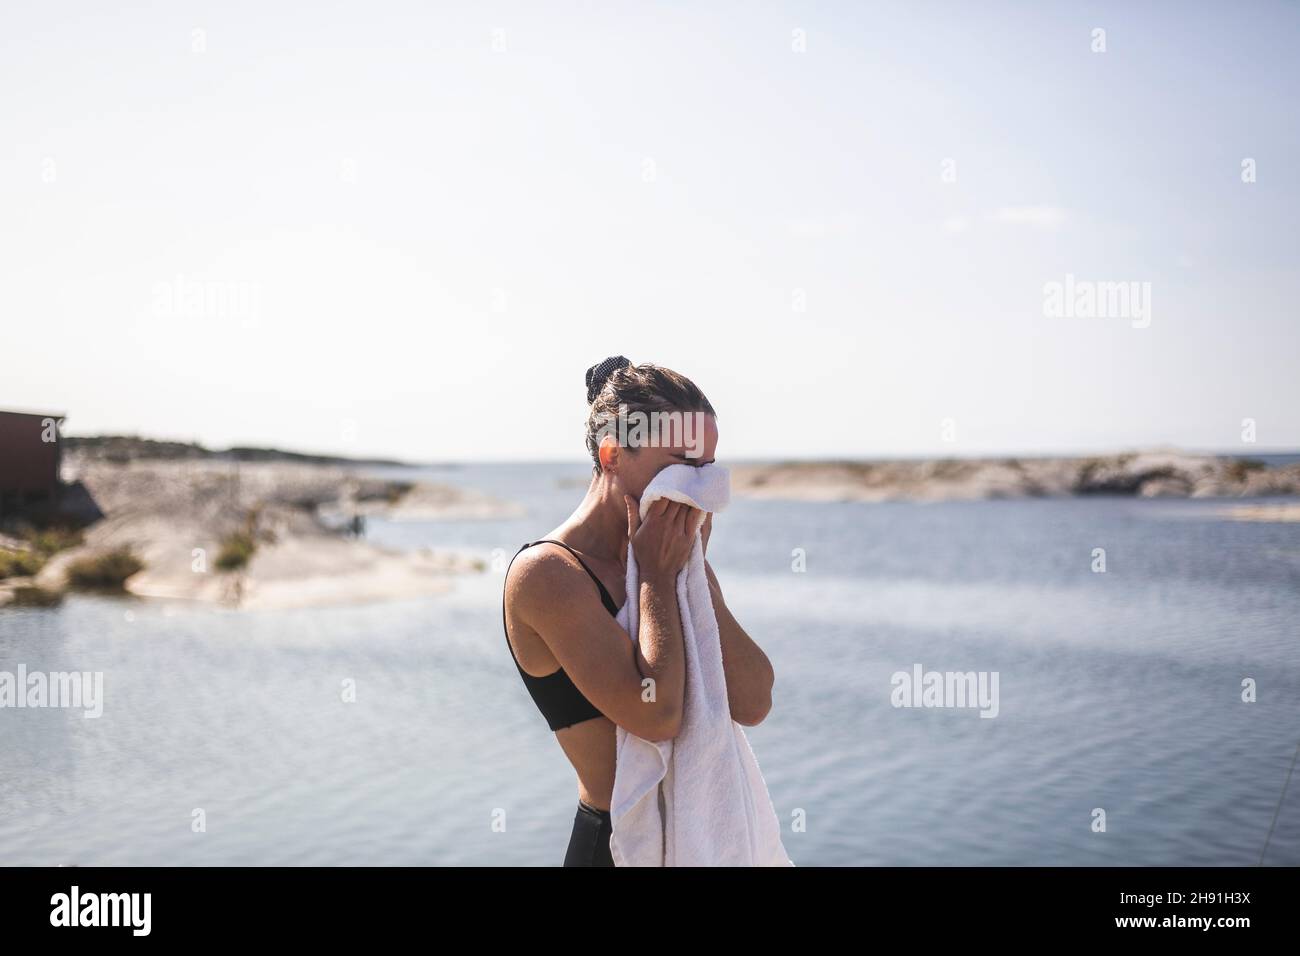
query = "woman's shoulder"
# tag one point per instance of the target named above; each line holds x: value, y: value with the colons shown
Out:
x: 541, y: 568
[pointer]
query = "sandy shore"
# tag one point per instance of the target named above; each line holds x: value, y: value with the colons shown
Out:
x: 1270, y: 512
x: 176, y: 515
x: 1147, y: 474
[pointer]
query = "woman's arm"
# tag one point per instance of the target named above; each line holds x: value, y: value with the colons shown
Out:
x: 550, y: 594
x: 553, y: 597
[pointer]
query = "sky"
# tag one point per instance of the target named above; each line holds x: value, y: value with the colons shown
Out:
x: 406, y: 229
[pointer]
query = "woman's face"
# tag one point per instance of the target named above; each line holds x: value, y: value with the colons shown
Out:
x: 696, y: 444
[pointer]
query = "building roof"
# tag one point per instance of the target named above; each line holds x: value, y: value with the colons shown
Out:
x: 26, y: 412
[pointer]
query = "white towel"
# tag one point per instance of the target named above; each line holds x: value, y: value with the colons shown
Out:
x: 700, y: 798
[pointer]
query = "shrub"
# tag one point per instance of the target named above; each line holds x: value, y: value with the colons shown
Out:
x: 20, y: 564
x: 41, y: 544
x: 236, y: 551
x: 52, y: 540
x: 106, y: 571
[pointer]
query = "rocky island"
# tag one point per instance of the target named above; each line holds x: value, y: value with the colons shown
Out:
x: 242, y: 528
x: 1148, y: 474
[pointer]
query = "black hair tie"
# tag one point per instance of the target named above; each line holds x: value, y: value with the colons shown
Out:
x: 598, y: 375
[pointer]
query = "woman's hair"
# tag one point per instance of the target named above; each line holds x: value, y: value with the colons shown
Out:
x: 616, y: 384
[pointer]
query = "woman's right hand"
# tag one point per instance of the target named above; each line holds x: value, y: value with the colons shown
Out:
x: 662, y: 543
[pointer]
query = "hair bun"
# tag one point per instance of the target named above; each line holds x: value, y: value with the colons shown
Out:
x: 598, y: 375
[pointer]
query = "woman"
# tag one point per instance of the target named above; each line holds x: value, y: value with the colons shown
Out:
x: 582, y: 670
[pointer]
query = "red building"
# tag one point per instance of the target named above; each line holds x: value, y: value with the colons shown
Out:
x: 30, y: 457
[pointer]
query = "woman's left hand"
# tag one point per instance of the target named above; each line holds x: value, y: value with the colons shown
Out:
x: 705, y: 529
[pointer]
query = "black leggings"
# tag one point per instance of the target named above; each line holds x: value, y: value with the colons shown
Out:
x: 589, y: 843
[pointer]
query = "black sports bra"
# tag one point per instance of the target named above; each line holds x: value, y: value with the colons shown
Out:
x: 556, y: 696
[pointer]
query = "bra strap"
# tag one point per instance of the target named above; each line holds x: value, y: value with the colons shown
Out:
x: 604, y: 592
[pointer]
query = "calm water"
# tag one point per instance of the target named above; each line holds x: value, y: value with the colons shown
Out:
x: 1118, y: 690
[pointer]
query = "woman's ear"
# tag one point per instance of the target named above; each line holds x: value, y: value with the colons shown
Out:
x: 609, y: 454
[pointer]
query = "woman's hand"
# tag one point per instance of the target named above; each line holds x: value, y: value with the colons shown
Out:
x: 705, y: 530
x: 662, y: 543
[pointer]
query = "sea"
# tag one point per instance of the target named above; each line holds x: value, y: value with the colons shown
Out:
x: 1140, y: 663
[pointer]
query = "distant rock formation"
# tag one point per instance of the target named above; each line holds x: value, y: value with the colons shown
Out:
x: 179, y: 513
x: 1146, y: 474
x: 123, y: 448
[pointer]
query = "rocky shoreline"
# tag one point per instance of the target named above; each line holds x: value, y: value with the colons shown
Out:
x: 249, y: 534
x: 1146, y: 474
x: 269, y: 530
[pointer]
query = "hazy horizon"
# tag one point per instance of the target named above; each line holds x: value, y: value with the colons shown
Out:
x: 1254, y: 451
